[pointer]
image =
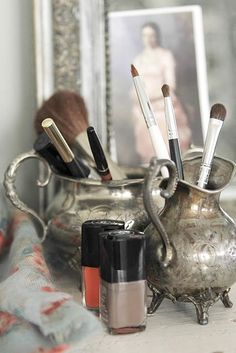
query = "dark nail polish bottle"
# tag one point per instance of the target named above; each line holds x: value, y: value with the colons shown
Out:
x: 90, y: 259
x: 123, y: 281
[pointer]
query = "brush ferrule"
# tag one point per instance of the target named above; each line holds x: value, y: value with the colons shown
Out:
x: 213, y: 131
x: 144, y: 103
x: 204, y: 176
x: 103, y: 171
x: 170, y: 119
x: 58, y: 140
x: 211, y: 141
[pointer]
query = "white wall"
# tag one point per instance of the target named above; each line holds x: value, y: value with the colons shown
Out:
x: 17, y: 90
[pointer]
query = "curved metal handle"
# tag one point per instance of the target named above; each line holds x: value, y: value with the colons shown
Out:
x: 10, y: 188
x: 153, y: 171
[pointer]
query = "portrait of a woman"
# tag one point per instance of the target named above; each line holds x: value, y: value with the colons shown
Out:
x: 161, y: 44
x: 156, y: 66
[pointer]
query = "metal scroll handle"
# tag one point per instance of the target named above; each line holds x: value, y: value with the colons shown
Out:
x: 153, y: 171
x: 10, y: 188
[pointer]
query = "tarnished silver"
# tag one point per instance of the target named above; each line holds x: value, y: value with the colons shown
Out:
x: 9, y: 184
x: 154, y: 170
x: 191, y: 244
x: 81, y: 200
x: 66, y: 44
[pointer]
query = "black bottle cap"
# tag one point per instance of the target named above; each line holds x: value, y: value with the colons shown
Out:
x: 122, y: 256
x: 90, y: 252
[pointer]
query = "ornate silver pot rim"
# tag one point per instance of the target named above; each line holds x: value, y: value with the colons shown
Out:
x: 209, y: 191
x: 95, y: 182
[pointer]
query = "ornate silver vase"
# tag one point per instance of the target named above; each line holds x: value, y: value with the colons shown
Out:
x: 191, y: 244
x: 78, y: 201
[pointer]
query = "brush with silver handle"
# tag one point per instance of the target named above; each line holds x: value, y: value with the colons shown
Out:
x: 217, y: 117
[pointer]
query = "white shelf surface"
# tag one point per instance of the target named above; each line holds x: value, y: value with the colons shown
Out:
x: 172, y: 329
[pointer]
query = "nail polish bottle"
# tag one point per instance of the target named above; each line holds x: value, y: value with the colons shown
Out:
x: 90, y: 259
x: 123, y: 281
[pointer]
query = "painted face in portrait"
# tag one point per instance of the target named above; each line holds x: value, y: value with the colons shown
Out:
x: 149, y: 37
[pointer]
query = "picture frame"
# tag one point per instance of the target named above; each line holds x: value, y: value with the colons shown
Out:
x: 71, y: 53
x: 179, y: 58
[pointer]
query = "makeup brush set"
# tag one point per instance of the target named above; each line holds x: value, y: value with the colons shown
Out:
x: 217, y: 117
x: 113, y: 231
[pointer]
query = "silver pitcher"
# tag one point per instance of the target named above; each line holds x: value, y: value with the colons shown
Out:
x: 191, y: 244
x: 78, y: 201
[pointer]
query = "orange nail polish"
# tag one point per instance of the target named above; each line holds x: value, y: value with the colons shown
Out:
x: 91, y: 282
x: 90, y: 259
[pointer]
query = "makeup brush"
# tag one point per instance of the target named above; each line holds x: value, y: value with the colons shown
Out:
x: 217, y: 117
x: 153, y: 128
x: 64, y: 150
x: 172, y: 131
x: 70, y: 115
x: 98, y: 154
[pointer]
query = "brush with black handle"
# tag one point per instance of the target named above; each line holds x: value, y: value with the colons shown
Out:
x: 98, y: 155
x: 76, y: 169
x: 173, y: 137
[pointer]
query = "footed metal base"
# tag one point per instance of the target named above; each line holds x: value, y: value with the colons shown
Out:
x: 202, y: 301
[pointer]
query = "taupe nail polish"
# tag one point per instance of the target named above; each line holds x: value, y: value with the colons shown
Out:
x: 123, y: 281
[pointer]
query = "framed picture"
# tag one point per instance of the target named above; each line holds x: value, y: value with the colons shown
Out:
x: 166, y: 46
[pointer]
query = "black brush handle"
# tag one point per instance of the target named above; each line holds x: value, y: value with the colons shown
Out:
x: 98, y: 154
x: 45, y: 148
x: 176, y: 157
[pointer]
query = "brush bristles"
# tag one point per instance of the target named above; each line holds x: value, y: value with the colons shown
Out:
x: 69, y: 113
x: 165, y: 90
x: 134, y: 71
x: 218, y: 112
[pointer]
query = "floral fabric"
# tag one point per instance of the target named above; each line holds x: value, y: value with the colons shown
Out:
x: 5, y: 239
x: 35, y: 317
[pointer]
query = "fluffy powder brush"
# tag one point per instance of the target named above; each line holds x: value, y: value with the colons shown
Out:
x: 69, y: 112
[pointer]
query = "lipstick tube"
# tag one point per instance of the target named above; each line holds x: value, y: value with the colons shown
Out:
x: 76, y: 169
x: 90, y: 259
x: 123, y: 281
